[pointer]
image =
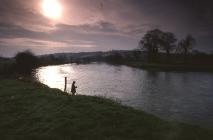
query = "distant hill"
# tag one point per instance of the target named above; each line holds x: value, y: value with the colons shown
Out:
x: 91, y: 56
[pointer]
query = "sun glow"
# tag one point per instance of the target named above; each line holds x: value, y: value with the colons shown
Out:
x: 52, y: 9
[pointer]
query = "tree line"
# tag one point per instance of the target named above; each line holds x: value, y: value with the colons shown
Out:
x: 155, y: 40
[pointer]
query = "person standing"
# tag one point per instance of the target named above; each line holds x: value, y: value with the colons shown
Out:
x: 73, y: 89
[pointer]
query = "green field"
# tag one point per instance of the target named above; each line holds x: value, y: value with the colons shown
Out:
x: 33, y: 111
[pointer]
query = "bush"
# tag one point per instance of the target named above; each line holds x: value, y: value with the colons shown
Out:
x: 25, y: 62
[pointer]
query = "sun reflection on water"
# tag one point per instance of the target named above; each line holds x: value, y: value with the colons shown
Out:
x: 53, y: 76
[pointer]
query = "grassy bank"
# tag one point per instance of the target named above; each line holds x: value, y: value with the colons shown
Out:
x: 168, y: 67
x: 7, y: 67
x: 31, y: 110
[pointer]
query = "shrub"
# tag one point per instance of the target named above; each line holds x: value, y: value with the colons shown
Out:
x: 25, y: 62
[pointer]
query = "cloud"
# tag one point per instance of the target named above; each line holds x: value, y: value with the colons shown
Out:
x: 102, y: 36
x: 102, y: 24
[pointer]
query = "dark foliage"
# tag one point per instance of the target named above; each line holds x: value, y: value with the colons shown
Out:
x: 25, y: 62
x: 151, y: 41
x: 156, y: 39
x: 168, y: 42
x: 115, y: 57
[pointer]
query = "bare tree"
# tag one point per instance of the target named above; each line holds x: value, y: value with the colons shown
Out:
x: 186, y: 44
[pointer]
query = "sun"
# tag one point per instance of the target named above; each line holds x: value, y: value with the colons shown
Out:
x: 52, y: 9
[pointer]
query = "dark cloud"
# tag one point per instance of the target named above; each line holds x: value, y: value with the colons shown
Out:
x: 8, y: 30
x: 65, y: 37
x: 99, y: 27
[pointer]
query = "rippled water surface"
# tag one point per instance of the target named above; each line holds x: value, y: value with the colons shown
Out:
x: 182, y: 96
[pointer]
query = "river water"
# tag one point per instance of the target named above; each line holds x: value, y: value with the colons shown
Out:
x: 181, y: 96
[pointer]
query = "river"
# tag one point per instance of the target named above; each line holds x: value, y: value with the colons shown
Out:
x: 181, y: 96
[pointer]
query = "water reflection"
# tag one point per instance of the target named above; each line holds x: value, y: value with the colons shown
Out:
x: 53, y: 75
x: 185, y: 97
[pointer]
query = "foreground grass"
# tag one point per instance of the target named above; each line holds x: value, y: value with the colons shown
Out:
x: 34, y: 111
x: 6, y: 67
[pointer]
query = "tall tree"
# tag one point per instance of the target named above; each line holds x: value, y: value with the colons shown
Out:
x: 151, y: 41
x: 156, y: 39
x: 168, y: 42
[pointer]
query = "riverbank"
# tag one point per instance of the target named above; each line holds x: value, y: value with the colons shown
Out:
x: 138, y: 59
x: 165, y: 67
x: 132, y: 58
x: 32, y: 110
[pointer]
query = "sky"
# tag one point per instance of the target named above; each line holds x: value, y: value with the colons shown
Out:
x: 99, y: 25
